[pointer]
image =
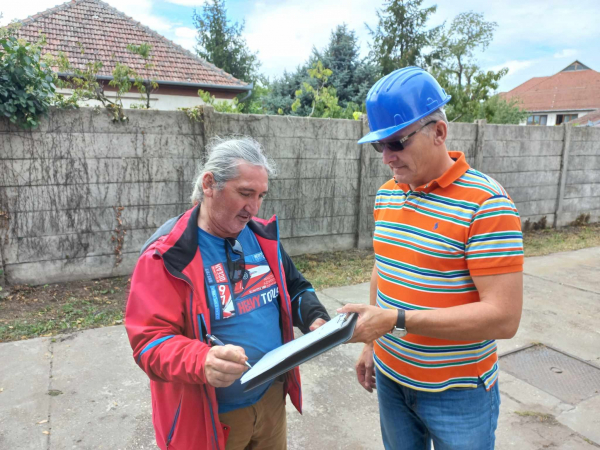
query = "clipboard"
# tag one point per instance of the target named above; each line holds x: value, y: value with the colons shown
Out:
x: 282, y: 359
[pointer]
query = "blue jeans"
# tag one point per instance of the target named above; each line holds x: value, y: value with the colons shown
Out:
x: 459, y: 418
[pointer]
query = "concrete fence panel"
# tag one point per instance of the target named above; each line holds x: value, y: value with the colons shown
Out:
x: 81, y: 194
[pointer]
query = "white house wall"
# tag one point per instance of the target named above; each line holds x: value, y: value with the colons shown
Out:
x: 551, y: 121
x: 157, y: 101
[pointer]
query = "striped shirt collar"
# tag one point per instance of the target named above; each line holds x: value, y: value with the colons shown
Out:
x: 455, y: 171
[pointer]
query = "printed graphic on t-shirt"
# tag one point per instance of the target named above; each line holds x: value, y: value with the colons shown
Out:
x: 219, y: 272
x: 257, y: 288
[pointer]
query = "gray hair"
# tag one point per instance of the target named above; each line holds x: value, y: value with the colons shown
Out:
x: 224, y: 155
x: 437, y: 115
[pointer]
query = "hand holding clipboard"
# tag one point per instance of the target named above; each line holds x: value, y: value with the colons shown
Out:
x: 278, y: 361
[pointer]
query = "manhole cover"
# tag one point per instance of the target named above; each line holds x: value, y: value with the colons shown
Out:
x: 564, y: 376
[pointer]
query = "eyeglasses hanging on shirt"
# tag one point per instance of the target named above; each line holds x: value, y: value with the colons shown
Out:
x: 235, y: 269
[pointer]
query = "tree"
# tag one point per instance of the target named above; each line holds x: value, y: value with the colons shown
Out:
x: 351, y: 77
x: 401, y: 35
x: 468, y: 32
x: 222, y: 44
x: 26, y: 80
x: 85, y: 85
x: 498, y: 110
x: 144, y: 87
x: 324, y: 100
x: 467, y: 99
x: 455, y: 67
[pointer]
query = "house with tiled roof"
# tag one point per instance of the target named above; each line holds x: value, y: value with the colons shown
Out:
x: 91, y: 30
x: 565, y: 96
x: 591, y: 119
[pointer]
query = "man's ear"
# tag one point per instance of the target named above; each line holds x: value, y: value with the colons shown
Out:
x: 440, y: 130
x: 208, y: 184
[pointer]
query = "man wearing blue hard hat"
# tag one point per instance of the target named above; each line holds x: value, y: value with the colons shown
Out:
x: 447, y: 280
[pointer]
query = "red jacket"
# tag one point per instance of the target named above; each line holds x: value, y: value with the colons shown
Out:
x: 167, y: 319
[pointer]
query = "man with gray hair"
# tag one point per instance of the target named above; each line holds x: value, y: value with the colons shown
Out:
x: 218, y: 273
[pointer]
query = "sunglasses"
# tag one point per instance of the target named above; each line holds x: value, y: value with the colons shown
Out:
x: 236, y: 269
x: 396, y: 146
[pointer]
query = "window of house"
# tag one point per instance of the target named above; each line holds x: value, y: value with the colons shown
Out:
x: 564, y: 118
x: 537, y: 119
x: 569, y: 117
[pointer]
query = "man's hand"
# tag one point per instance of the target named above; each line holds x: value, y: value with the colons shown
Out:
x: 317, y: 323
x: 365, y: 368
x: 224, y: 364
x: 373, y: 322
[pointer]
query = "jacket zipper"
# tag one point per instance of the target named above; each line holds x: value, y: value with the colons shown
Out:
x: 288, y: 306
x: 172, y: 432
x: 212, y: 416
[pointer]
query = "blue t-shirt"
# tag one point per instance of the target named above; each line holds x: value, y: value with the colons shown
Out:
x: 247, y: 314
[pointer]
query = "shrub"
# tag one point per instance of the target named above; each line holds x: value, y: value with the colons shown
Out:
x: 26, y: 81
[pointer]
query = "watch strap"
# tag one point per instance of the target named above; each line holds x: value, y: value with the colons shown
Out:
x: 401, y: 320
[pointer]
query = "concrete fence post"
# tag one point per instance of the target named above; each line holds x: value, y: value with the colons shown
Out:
x: 564, y: 167
x: 208, y: 121
x: 4, y: 225
x: 479, y: 144
x: 364, y: 239
x: 5, y: 217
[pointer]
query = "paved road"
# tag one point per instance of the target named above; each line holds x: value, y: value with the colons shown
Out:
x: 83, y: 391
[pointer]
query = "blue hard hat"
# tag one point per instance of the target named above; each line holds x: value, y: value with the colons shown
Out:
x: 400, y: 99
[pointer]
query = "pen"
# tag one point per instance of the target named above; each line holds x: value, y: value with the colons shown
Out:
x: 216, y: 341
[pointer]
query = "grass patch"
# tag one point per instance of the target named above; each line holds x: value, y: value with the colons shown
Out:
x: 332, y: 269
x: 40, y: 311
x: 544, y: 242
x: 71, y: 316
x: 34, y: 311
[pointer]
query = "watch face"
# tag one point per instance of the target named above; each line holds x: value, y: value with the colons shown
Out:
x: 399, y: 332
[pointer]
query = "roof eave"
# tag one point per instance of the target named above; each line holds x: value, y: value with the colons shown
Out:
x: 559, y: 110
x: 228, y: 87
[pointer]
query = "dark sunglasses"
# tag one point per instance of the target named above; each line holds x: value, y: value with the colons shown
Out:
x: 396, y: 146
x: 236, y: 269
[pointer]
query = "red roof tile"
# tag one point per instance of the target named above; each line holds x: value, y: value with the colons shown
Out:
x: 103, y: 31
x: 593, y: 117
x: 564, y: 91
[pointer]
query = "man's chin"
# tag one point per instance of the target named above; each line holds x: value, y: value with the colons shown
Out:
x: 243, y: 221
x: 401, y: 178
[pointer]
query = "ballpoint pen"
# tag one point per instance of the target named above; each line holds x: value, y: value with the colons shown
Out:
x: 216, y: 341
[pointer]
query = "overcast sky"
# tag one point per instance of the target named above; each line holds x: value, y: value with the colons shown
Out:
x: 533, y: 38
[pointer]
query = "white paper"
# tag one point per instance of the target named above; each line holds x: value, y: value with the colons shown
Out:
x: 279, y: 354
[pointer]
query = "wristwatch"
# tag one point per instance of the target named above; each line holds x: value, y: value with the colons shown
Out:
x: 399, y: 329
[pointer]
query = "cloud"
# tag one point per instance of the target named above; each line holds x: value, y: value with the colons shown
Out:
x: 566, y: 53
x: 140, y: 10
x: 153, y: 22
x: 194, y: 3
x: 186, y: 37
x: 284, y: 33
x: 21, y: 10
x: 185, y: 32
x: 513, y: 66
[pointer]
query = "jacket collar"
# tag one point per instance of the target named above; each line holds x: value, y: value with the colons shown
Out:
x: 181, y: 244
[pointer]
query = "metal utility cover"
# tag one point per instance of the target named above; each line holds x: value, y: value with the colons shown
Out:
x: 564, y: 376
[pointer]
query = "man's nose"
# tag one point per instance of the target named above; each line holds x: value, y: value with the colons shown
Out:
x: 389, y: 156
x: 253, y: 206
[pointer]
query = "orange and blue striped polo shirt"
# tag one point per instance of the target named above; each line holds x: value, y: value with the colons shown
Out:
x: 428, y: 244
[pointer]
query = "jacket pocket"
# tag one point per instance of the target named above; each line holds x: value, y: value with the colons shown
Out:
x: 174, y: 425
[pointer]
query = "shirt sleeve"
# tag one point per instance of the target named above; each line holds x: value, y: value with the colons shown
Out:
x: 495, y: 242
